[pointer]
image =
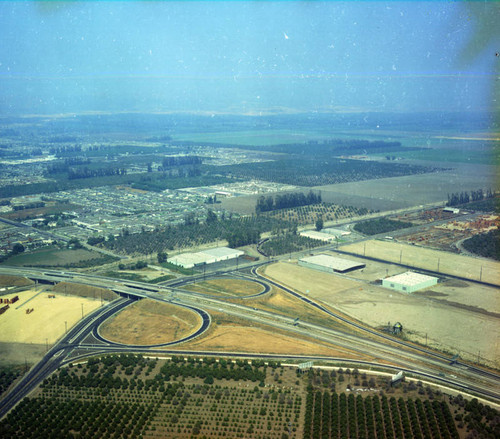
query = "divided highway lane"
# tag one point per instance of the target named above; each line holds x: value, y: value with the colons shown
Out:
x: 416, y: 374
x: 372, y: 331
x: 107, y: 283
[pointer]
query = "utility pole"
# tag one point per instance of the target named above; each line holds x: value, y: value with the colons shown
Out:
x: 82, y: 310
x: 400, y: 256
x: 438, y: 263
x: 66, y: 327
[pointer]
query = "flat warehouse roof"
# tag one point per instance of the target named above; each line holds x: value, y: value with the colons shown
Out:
x: 318, y: 235
x: 410, y: 278
x: 220, y: 252
x: 336, y: 264
x: 189, y: 258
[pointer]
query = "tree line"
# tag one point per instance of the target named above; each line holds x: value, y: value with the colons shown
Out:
x: 85, y: 172
x: 168, y: 162
x: 457, y: 198
x: 285, y: 201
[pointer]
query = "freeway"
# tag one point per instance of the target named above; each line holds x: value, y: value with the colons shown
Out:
x: 85, y: 336
x: 377, y: 333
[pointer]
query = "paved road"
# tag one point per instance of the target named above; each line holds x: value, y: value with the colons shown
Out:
x: 83, y: 336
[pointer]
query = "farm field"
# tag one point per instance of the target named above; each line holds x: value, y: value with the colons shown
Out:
x: 253, y: 137
x: 431, y: 316
x: 412, y: 190
x: 149, y: 322
x: 212, y: 398
x: 16, y: 326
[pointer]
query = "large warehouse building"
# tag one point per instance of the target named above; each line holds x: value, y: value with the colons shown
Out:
x: 330, y: 264
x: 191, y: 260
x: 313, y: 234
x: 409, y: 282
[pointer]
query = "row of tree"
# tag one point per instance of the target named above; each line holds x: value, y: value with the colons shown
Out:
x: 285, y: 201
x: 171, y: 161
x: 85, y: 172
x: 458, y: 198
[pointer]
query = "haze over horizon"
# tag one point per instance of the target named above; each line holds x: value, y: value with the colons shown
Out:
x: 248, y: 57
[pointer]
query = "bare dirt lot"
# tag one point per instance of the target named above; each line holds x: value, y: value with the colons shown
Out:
x: 456, y: 317
x: 434, y: 260
x: 150, y: 322
x: 226, y: 287
x: 227, y: 335
x: 46, y: 323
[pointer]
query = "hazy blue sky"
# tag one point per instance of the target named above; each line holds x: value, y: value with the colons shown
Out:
x: 246, y: 57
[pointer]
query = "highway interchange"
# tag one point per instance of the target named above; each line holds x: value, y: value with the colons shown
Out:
x: 388, y: 352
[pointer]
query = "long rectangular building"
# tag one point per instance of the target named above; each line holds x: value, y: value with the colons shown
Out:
x: 210, y: 256
x: 330, y: 264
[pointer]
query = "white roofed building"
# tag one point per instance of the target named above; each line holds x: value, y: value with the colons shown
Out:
x: 330, y: 264
x: 210, y: 256
x: 318, y: 235
x: 409, y: 282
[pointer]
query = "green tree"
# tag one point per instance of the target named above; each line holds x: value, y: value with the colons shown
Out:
x: 74, y: 243
x: 319, y: 224
x: 17, y: 248
x: 162, y: 257
x: 211, y: 216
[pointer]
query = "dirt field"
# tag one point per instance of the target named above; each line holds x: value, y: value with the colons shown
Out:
x: 46, y: 323
x: 53, y: 257
x: 230, y: 337
x: 418, y: 257
x: 17, y: 281
x: 226, y: 287
x: 150, y: 322
x: 455, y: 316
x: 84, y: 291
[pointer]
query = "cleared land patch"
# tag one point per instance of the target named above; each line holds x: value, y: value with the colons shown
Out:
x: 46, y: 323
x: 149, y: 322
x: 14, y: 281
x: 54, y: 257
x: 226, y: 287
x: 418, y: 257
x: 439, y: 321
x: 227, y: 335
x: 84, y: 291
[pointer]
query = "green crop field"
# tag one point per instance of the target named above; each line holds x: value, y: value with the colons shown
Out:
x: 480, y: 156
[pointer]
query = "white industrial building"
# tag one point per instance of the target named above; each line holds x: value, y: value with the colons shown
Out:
x: 409, y: 282
x: 210, y: 256
x: 329, y: 264
x: 318, y: 235
x: 336, y: 232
